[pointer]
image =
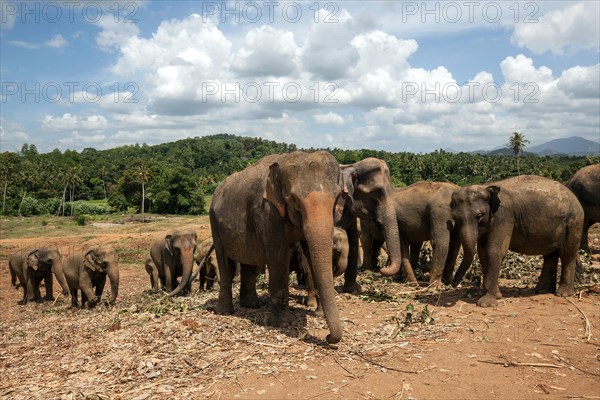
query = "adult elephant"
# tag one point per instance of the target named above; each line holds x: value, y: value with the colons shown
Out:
x: 259, y: 213
x: 423, y: 213
x: 33, y: 265
x: 173, y: 257
x: 369, y: 190
x: 526, y: 214
x: 586, y: 186
x: 87, y: 271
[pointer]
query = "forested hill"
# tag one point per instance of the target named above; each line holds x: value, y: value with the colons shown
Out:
x: 176, y: 176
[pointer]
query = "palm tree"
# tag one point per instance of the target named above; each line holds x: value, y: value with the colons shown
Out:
x: 142, y: 172
x: 517, y: 143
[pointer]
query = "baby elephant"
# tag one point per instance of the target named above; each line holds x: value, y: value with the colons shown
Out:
x: 209, y: 272
x: 87, y: 271
x: 33, y: 265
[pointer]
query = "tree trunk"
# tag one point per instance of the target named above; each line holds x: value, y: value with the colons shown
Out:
x: 62, y: 203
x: 143, y: 196
x: 4, y: 197
x: 23, y: 199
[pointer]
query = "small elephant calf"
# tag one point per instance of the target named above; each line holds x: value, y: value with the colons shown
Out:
x: 87, y: 271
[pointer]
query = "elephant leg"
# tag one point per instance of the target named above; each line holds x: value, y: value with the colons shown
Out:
x: 37, y: 295
x: 48, y: 286
x: 84, y: 298
x: 154, y: 280
x: 451, y: 259
x: 370, y: 250
x: 226, y: 271
x: 85, y: 284
x: 585, y: 246
x: 440, y: 241
x: 547, y: 281
x: 405, y: 260
x: 306, y: 270
x: 350, y: 283
x: 278, y: 261
x: 74, y: 302
x: 211, y: 276
x: 494, y: 248
x: 170, y: 280
x: 203, y: 279
x: 100, y: 286
x: 26, y: 291
x: 248, y: 296
x: 569, y: 257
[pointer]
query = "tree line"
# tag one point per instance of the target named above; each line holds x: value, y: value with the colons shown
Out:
x: 176, y: 177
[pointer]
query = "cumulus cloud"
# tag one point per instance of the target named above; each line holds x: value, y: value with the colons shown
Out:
x: 70, y: 122
x: 330, y: 118
x: 575, y: 27
x: 57, y: 41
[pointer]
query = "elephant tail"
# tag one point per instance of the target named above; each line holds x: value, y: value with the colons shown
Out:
x: 202, y: 262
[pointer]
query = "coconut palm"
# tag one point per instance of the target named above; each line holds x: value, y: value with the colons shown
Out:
x: 517, y: 143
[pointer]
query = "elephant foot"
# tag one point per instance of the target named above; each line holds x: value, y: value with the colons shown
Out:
x: 249, y: 303
x: 565, y: 290
x: 224, y: 309
x: 22, y: 302
x: 487, y: 300
x: 280, y: 318
x: 50, y: 298
x: 352, y: 287
x: 545, y: 288
x: 311, y: 302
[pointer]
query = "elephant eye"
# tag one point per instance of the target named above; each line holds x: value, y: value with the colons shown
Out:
x: 479, y: 215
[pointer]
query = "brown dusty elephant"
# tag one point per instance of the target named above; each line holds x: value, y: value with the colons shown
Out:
x: 526, y: 214
x: 173, y: 257
x: 299, y: 264
x: 86, y: 270
x: 423, y: 213
x: 259, y: 213
x: 209, y: 272
x: 368, y: 195
x: 586, y: 186
x: 31, y: 266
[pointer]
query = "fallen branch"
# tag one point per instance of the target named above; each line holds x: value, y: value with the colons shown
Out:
x: 519, y: 364
x: 279, y: 346
x: 57, y: 297
x: 588, y: 329
x: 329, y: 391
x: 369, y: 360
x: 574, y: 366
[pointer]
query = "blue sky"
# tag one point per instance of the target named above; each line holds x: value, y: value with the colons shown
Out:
x: 401, y: 76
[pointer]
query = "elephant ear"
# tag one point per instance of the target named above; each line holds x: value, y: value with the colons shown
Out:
x: 348, y: 180
x: 33, y: 260
x: 273, y: 189
x: 493, y: 200
x: 88, y: 260
x: 169, y: 244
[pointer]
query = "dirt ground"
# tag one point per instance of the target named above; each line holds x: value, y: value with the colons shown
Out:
x: 399, y: 342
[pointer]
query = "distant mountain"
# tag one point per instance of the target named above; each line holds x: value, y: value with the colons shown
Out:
x: 574, y: 145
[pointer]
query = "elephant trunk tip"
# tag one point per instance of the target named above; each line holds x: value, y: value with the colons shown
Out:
x: 390, y: 270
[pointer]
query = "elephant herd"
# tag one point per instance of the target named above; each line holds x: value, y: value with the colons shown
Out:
x: 302, y: 211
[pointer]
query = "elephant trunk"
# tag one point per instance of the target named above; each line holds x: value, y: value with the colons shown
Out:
x: 57, y: 270
x: 113, y: 276
x: 468, y: 238
x: 387, y: 218
x: 186, y: 257
x: 318, y: 232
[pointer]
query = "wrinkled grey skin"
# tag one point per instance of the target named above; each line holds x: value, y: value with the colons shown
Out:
x: 31, y: 266
x: 173, y: 257
x: 209, y: 273
x: 526, y: 214
x: 368, y: 195
x: 423, y: 213
x: 257, y: 215
x: 585, y: 184
x: 299, y: 264
x: 87, y: 270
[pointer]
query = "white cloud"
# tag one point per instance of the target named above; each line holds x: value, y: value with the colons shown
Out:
x: 23, y: 44
x: 12, y: 135
x: 575, y: 27
x: 330, y: 118
x: 266, y: 52
x: 57, y: 41
x: 70, y: 122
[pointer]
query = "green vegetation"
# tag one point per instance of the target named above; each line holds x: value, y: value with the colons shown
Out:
x: 178, y: 177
